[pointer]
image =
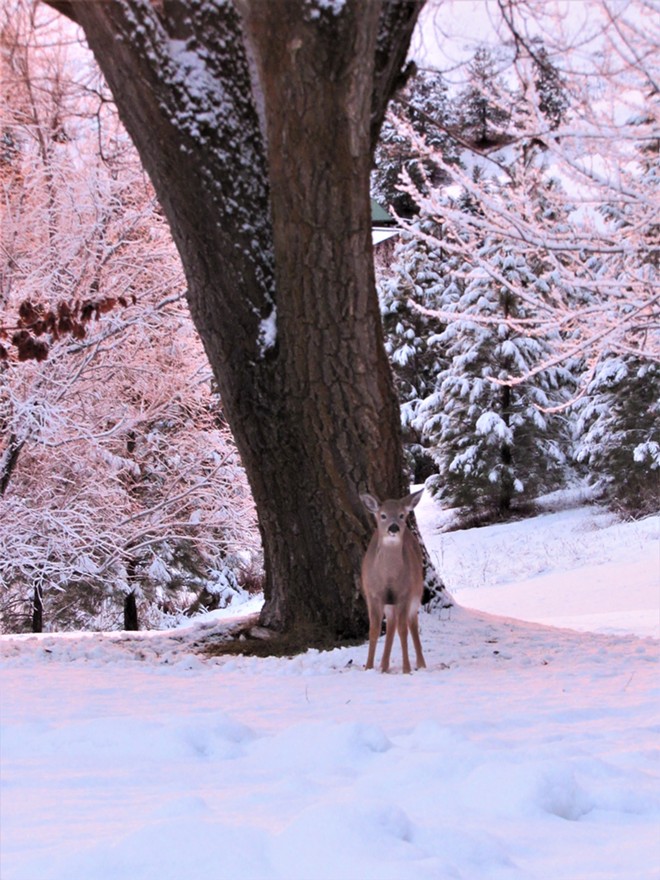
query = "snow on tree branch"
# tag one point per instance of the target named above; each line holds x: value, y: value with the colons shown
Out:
x: 117, y: 473
x: 579, y: 194
x: 526, y: 289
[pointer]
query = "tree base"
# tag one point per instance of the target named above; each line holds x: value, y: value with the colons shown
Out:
x: 252, y: 640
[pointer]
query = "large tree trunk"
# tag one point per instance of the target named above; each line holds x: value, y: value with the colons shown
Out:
x: 257, y: 133
x: 336, y: 409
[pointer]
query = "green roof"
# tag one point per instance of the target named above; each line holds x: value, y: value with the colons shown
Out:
x: 379, y: 216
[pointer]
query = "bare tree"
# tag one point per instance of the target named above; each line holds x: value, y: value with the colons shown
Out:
x: 256, y: 123
x: 118, y: 479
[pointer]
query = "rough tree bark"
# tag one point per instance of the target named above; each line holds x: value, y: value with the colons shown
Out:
x: 256, y: 122
x: 9, y: 460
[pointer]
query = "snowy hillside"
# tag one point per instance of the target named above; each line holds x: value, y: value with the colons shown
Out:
x: 524, y: 752
x: 579, y: 567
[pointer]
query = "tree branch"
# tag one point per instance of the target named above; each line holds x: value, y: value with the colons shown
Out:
x: 397, y: 22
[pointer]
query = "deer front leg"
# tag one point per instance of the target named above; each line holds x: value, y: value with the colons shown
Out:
x: 375, y: 620
x: 389, y: 638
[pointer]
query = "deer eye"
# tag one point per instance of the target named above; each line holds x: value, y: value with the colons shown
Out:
x: 383, y: 516
x: 402, y: 516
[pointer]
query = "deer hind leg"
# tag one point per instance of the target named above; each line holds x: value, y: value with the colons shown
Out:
x: 413, y: 623
x: 389, y: 638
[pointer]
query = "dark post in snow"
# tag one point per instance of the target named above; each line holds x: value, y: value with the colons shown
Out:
x: 256, y: 122
x: 131, y: 623
x: 38, y: 608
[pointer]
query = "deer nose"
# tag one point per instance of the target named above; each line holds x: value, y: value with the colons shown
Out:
x: 393, y: 528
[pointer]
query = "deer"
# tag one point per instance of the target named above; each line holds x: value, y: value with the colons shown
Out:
x: 393, y: 579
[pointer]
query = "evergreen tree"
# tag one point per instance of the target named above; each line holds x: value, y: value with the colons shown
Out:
x: 619, y: 419
x: 494, y: 443
x: 420, y: 274
x: 534, y: 282
x: 420, y: 108
x: 485, y: 106
x: 619, y: 434
x: 550, y: 88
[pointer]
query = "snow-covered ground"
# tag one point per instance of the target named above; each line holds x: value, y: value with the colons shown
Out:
x: 578, y: 568
x: 523, y: 751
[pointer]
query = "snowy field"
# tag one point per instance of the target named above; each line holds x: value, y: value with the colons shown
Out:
x: 528, y: 750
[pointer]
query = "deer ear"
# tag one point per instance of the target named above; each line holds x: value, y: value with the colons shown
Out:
x: 413, y: 500
x: 372, y: 504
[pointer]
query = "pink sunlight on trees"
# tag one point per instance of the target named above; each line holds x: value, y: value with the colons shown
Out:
x: 523, y: 309
x: 114, y: 427
x: 120, y: 483
x: 578, y: 190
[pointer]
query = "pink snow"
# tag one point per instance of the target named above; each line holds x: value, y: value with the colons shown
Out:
x: 523, y: 752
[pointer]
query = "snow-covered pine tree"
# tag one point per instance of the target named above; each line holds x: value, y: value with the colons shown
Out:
x: 420, y: 274
x: 595, y: 294
x: 496, y: 446
x: 619, y: 418
x: 619, y: 434
x: 550, y: 87
x: 485, y: 105
x: 421, y: 107
x: 493, y: 444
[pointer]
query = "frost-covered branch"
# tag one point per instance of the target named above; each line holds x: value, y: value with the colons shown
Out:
x: 117, y: 474
x: 526, y: 287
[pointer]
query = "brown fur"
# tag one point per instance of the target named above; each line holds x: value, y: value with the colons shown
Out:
x: 393, y: 579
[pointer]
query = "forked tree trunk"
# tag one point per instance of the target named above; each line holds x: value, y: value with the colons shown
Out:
x: 334, y: 408
x: 257, y: 133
